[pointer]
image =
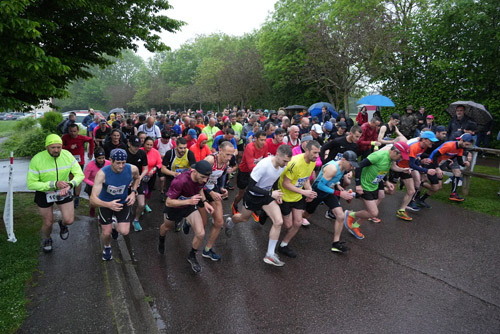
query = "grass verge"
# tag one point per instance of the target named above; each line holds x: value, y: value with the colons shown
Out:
x: 482, y: 196
x: 18, y: 260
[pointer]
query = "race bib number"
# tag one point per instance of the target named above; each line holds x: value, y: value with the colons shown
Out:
x: 112, y: 190
x: 180, y: 170
x: 256, y: 161
x: 183, y: 197
x: 77, y: 158
x: 54, y: 196
x: 379, y: 178
x: 300, y: 182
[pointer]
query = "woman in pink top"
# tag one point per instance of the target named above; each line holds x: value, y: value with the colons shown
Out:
x: 154, y: 164
x: 91, y: 170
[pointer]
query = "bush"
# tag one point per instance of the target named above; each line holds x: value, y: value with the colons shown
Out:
x: 25, y: 124
x: 50, y: 121
x: 32, y: 143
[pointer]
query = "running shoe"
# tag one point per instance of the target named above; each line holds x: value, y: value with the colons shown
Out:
x: 147, y: 208
x: 421, y: 203
x: 352, y: 226
x: 229, y: 186
x: 255, y: 217
x: 47, y: 245
x: 286, y: 250
x: 456, y: 197
x: 403, y: 215
x: 374, y: 220
x: 305, y: 222
x: 274, y: 260
x: 76, y: 202
x: 210, y: 254
x: 63, y: 230
x: 234, y: 207
x: 228, y: 227
x: 339, y: 247
x: 412, y: 206
x: 178, y: 226
x: 137, y: 226
x: 194, y: 263
x: 185, y: 227
x: 106, y: 254
x: 447, y: 181
x: 161, y: 245
x: 329, y: 215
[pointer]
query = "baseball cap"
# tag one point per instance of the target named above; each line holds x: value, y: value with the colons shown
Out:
x: 351, y: 157
x: 466, y: 137
x: 440, y: 128
x: 428, y: 135
x: 192, y: 133
x: 404, y: 149
x: 430, y: 116
x: 342, y: 125
x: 203, y: 167
x: 395, y: 116
x: 102, y: 121
x: 306, y: 138
x: 328, y: 126
x: 134, y: 141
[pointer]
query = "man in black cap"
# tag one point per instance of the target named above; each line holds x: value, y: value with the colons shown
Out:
x: 184, y: 196
x: 138, y: 158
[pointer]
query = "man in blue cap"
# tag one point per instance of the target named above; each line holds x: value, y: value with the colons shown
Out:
x: 112, y: 196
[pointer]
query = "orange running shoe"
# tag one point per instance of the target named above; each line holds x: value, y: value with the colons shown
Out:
x: 255, y: 217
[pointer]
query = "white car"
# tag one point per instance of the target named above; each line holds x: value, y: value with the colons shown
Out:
x: 81, y: 114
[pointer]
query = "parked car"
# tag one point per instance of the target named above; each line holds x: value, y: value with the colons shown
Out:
x: 3, y: 115
x: 13, y: 116
x: 81, y: 114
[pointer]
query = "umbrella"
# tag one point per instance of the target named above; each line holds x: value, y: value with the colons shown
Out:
x: 477, y: 112
x: 117, y: 110
x: 317, y: 107
x: 377, y: 100
x: 296, y: 107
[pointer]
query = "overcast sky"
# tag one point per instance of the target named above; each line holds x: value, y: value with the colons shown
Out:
x: 204, y: 17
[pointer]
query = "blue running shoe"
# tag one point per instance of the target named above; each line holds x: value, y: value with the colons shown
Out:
x: 210, y: 255
x: 106, y: 254
x: 185, y: 227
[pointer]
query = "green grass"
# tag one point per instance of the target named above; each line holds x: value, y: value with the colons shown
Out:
x: 482, y: 196
x: 18, y: 260
x: 7, y: 128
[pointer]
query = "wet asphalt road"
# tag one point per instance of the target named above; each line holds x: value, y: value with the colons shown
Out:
x: 437, y: 274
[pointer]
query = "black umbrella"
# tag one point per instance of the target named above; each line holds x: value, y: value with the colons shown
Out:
x: 477, y: 112
x: 296, y: 107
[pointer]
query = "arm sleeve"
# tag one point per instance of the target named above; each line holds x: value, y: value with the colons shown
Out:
x: 460, y: 160
x: 191, y: 158
x: 91, y: 144
x: 359, y: 170
x: 435, y: 155
x: 324, y: 148
x: 87, y: 173
x: 33, y: 180
x: 323, y: 186
x: 77, y: 172
x: 252, y: 186
x: 415, y: 165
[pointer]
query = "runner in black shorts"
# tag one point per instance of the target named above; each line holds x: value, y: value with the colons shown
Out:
x: 260, y: 196
x: 110, y: 193
x: 184, y: 195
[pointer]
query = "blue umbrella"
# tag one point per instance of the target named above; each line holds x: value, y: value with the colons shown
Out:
x: 377, y: 100
x: 315, y: 109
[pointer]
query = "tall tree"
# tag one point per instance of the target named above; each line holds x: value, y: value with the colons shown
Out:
x: 51, y: 43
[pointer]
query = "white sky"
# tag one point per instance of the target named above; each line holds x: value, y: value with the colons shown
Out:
x: 204, y: 17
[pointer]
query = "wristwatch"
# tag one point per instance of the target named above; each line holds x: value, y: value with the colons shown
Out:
x: 134, y: 191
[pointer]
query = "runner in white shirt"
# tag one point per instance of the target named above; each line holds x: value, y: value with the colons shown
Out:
x: 260, y: 196
x: 150, y: 128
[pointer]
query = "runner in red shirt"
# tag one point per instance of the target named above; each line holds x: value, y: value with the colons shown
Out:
x: 75, y: 143
x: 274, y: 143
x: 253, y: 153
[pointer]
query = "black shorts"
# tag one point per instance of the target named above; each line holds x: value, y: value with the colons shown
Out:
x: 242, y: 180
x: 330, y: 200
x: 240, y: 147
x: 176, y: 214
x: 207, y: 194
x: 141, y: 190
x: 394, y: 176
x: 88, y: 190
x: 433, y: 179
x: 371, y: 195
x: 41, y: 200
x: 255, y: 203
x: 122, y: 216
x: 286, y: 207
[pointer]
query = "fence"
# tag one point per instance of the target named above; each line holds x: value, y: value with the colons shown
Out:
x: 469, y: 172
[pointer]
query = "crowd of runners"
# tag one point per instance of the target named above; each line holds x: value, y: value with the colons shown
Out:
x: 281, y: 166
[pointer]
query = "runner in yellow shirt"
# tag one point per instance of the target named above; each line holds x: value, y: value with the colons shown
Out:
x: 296, y: 188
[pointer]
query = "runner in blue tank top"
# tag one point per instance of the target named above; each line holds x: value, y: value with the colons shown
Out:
x: 111, y: 194
x: 327, y: 186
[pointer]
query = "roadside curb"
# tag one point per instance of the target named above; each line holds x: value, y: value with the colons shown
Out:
x: 131, y: 310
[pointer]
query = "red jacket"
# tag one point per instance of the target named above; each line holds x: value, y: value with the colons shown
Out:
x: 362, y: 118
x: 369, y: 134
x: 200, y: 153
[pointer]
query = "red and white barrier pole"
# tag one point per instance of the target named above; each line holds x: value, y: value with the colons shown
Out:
x: 8, y: 212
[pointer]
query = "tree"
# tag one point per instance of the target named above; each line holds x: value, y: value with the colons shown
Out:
x: 51, y: 43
